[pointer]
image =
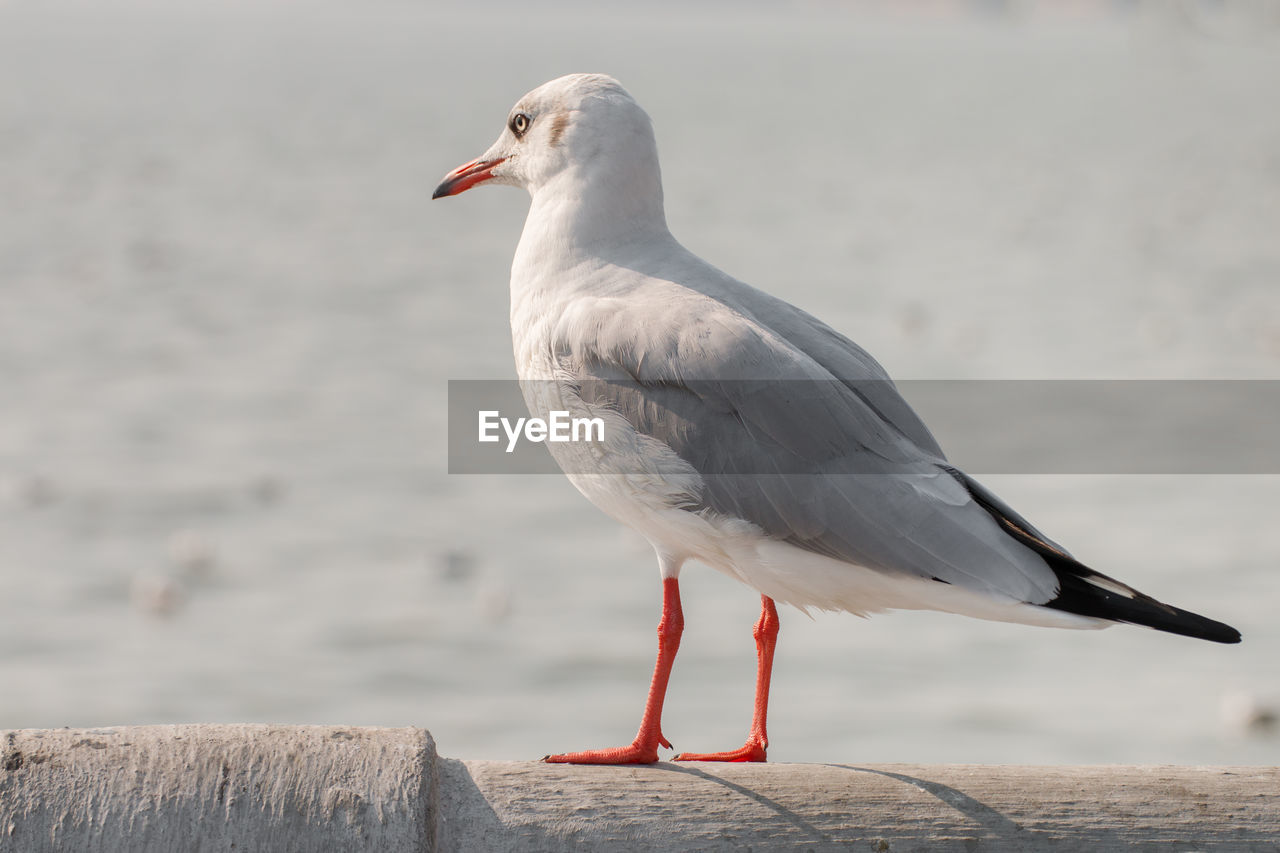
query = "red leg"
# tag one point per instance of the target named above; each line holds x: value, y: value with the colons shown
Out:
x: 644, y: 749
x: 766, y: 634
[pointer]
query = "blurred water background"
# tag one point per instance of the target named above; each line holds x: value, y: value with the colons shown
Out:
x: 228, y: 312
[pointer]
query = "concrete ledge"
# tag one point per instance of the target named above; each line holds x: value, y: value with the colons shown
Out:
x: 196, y: 788
x: 524, y: 806
x: 315, y: 788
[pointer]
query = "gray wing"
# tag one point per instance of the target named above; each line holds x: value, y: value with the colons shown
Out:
x: 842, y: 358
x: 837, y: 464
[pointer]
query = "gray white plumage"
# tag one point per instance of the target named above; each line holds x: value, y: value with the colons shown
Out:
x: 741, y: 431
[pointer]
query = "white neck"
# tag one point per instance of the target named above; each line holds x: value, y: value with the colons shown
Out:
x: 579, y: 214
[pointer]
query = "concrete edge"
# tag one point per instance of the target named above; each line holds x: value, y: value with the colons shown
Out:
x: 307, y: 788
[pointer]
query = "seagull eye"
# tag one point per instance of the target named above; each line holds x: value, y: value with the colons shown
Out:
x: 520, y: 123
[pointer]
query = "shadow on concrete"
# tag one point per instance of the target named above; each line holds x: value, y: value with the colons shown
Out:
x: 980, y: 813
x: 781, y: 810
x: 463, y: 812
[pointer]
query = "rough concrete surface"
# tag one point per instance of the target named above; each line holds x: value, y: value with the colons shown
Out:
x: 321, y: 788
x: 207, y: 788
x: 509, y: 806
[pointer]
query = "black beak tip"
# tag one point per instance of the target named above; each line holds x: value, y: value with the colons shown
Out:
x: 441, y: 191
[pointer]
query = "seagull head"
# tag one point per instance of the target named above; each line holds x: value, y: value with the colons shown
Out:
x: 581, y: 135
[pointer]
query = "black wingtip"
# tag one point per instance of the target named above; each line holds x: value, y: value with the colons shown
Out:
x: 1203, y: 628
x: 1230, y: 635
x: 1089, y: 593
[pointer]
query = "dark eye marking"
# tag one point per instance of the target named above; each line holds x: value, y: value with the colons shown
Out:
x: 558, y: 125
x: 520, y: 124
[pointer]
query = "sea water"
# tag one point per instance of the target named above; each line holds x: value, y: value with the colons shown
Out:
x: 229, y: 311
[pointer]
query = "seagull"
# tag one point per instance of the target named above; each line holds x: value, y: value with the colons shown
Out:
x: 740, y: 431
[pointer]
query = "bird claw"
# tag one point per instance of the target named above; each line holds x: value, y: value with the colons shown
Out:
x: 751, y: 751
x: 633, y: 754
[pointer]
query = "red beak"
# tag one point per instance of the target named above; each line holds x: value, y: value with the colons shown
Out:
x: 466, y: 176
